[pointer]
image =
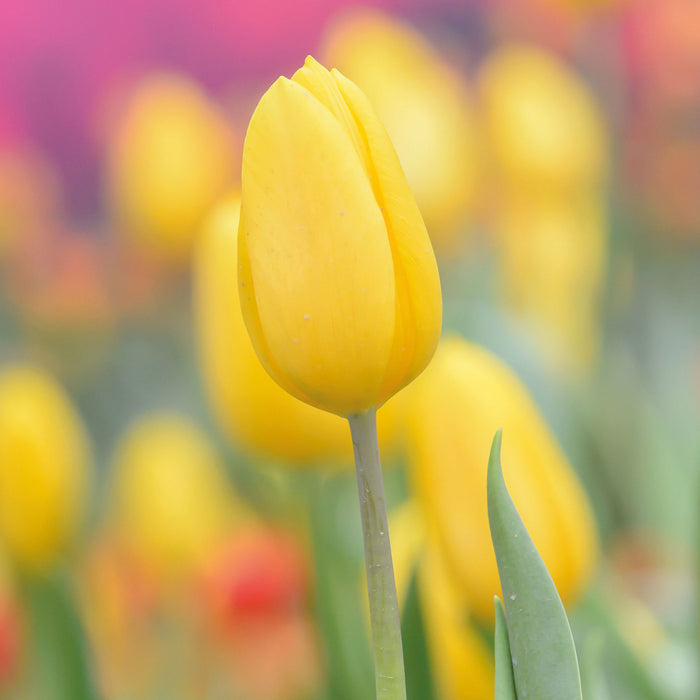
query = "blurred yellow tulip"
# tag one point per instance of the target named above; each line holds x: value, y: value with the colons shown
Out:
x: 548, y: 143
x: 171, y: 157
x: 45, y: 467
x: 461, y: 661
x: 544, y: 126
x: 171, y: 503
x: 250, y: 406
x: 552, y: 264
x: 425, y: 106
x: 339, y: 285
x: 454, y: 412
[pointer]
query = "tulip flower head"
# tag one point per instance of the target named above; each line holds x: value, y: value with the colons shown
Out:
x: 424, y: 104
x: 456, y: 408
x: 339, y: 286
x: 254, y: 411
x: 544, y: 125
x: 169, y: 160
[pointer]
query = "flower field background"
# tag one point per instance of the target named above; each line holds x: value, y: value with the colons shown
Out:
x: 173, y: 524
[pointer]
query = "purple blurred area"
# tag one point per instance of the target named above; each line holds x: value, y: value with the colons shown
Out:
x: 58, y: 69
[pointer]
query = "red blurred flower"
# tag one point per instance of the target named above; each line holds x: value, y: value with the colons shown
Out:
x: 10, y: 641
x: 260, y: 573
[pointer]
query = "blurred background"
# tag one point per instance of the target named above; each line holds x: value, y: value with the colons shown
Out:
x: 171, y: 523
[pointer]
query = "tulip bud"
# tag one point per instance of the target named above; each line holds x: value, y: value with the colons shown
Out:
x: 424, y: 104
x: 171, y: 502
x: 339, y: 286
x: 170, y: 159
x: 44, y: 467
x: 454, y: 412
x: 252, y: 408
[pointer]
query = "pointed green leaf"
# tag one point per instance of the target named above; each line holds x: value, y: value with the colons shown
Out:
x: 505, y: 683
x: 545, y: 666
x: 419, y: 680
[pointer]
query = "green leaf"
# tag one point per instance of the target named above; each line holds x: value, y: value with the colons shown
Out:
x: 505, y: 683
x: 624, y: 667
x: 61, y: 664
x: 338, y: 605
x: 419, y: 681
x: 545, y: 666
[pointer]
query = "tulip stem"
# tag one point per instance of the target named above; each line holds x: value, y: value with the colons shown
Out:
x: 383, y: 602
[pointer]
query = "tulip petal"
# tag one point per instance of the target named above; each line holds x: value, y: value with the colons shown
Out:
x: 251, y: 407
x: 320, y: 83
x: 455, y: 407
x: 251, y: 317
x: 418, y: 295
x: 318, y: 254
x: 505, y: 685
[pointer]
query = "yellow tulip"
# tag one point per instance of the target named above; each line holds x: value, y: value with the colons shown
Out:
x: 251, y: 407
x: 552, y: 262
x: 44, y: 467
x: 171, y: 502
x: 543, y: 124
x: 455, y: 410
x: 424, y: 104
x: 171, y: 158
x: 461, y: 661
x: 339, y: 286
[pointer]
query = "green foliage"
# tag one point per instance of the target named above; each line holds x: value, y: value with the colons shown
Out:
x: 61, y: 668
x: 545, y: 666
x: 419, y: 681
x: 505, y: 683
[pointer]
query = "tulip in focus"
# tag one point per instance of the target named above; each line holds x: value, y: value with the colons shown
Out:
x: 171, y: 157
x: 424, y: 104
x: 339, y: 286
x: 455, y: 409
x: 251, y: 407
x: 171, y: 502
x: 45, y: 468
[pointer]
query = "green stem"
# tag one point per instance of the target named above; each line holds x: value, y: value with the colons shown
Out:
x: 383, y: 603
